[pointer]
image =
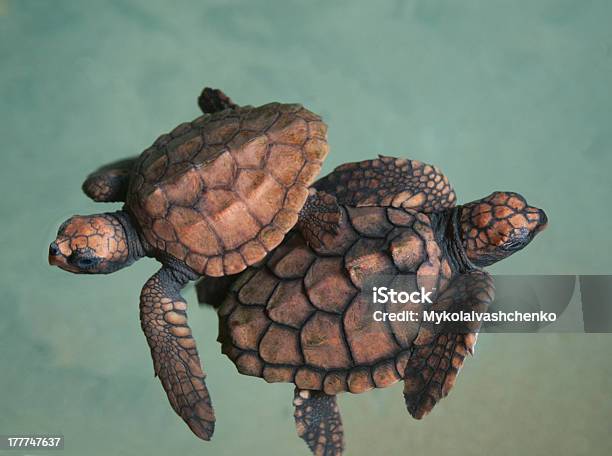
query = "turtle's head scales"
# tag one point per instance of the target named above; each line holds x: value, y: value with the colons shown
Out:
x: 94, y: 244
x: 495, y: 227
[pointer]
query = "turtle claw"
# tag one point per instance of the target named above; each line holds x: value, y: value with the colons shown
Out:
x: 469, y: 340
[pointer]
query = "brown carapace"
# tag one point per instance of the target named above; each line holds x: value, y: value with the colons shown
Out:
x: 211, y: 197
x: 305, y: 315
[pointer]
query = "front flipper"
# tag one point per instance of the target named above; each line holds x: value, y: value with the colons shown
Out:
x: 433, y: 367
x: 318, y: 422
x: 214, y: 100
x: 109, y: 183
x: 389, y: 181
x: 320, y: 214
x: 176, y: 362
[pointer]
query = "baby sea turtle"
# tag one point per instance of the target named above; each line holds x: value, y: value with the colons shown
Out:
x: 210, y: 198
x: 304, y: 316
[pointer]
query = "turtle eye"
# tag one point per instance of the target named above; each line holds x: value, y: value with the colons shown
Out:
x: 84, y: 259
x: 86, y: 262
x: 517, y: 242
x: 513, y: 245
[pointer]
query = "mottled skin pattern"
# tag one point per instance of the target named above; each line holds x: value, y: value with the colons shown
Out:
x: 318, y: 422
x: 320, y: 214
x: 502, y: 219
x: 300, y: 317
x: 164, y: 321
x: 211, y: 197
x: 84, y: 241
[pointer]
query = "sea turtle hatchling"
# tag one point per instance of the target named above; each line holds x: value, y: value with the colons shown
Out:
x: 304, y: 316
x: 210, y: 198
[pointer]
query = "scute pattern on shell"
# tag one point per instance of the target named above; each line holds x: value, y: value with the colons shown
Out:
x: 248, y: 164
x: 327, y: 339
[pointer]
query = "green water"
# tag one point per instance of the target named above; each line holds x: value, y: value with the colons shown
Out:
x: 501, y: 95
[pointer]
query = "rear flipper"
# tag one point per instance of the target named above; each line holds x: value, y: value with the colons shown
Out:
x: 433, y: 367
x: 109, y: 183
x: 318, y: 422
x: 214, y: 100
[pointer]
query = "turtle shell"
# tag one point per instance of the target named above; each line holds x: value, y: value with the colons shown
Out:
x: 221, y: 192
x: 304, y: 316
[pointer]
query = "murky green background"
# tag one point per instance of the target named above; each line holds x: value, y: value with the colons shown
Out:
x: 501, y: 95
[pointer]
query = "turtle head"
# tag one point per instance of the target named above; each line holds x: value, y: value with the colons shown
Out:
x: 93, y: 244
x: 495, y: 227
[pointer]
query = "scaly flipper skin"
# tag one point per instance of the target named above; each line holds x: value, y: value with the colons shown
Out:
x: 432, y: 368
x: 175, y: 357
x: 389, y: 181
x: 321, y: 214
x: 213, y: 100
x: 318, y: 422
x: 109, y: 183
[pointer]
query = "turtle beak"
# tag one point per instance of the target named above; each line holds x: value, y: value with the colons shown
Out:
x: 543, y: 222
x: 59, y: 259
x: 55, y: 255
